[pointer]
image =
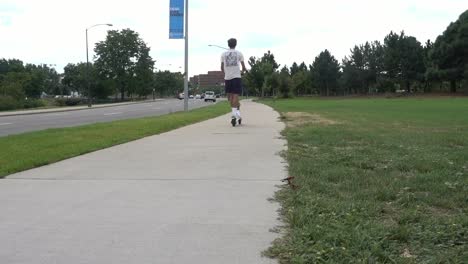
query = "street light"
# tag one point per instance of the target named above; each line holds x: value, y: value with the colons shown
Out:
x: 211, y: 45
x: 87, y: 63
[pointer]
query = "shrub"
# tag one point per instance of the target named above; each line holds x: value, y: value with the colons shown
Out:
x: 67, y: 101
x: 33, y: 103
x: 72, y: 101
x: 8, y: 103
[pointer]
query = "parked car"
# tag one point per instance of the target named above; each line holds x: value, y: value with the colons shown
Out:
x: 181, y: 96
x: 191, y: 96
x: 197, y: 96
x: 210, y: 96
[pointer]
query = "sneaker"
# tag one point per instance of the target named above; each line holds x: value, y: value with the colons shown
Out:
x: 233, y: 121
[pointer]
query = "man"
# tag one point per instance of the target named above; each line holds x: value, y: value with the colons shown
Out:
x: 230, y: 61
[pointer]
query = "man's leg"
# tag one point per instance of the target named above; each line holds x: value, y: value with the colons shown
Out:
x: 236, y: 106
x: 233, y: 104
x: 235, y: 100
x: 233, y: 108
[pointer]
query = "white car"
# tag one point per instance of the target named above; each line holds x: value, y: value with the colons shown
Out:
x: 210, y: 96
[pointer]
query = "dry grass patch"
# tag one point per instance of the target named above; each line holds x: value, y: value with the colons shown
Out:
x: 297, y: 119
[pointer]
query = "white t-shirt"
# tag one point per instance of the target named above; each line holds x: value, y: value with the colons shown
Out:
x: 231, y: 60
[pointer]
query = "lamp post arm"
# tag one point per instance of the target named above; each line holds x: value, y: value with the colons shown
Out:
x: 110, y: 25
x: 87, y: 62
x: 211, y: 45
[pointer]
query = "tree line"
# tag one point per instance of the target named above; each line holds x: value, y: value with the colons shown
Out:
x: 124, y: 69
x: 399, y: 64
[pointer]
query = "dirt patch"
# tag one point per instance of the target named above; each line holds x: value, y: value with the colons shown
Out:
x: 407, y: 254
x: 440, y: 212
x: 296, y: 119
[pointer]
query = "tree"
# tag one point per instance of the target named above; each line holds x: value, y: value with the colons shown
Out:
x: 430, y: 75
x: 450, y: 53
x: 284, y: 82
x: 412, y: 61
x: 75, y: 77
x: 326, y: 71
x: 168, y: 83
x: 359, y: 67
x: 261, y: 70
x: 270, y: 59
x: 375, y: 60
x: 392, y: 55
x: 294, y: 69
x: 255, y: 77
x: 144, y: 75
x: 13, y: 79
x: 350, y: 78
x: 13, y: 83
x: 300, y: 79
x: 301, y: 82
x: 275, y: 83
x: 124, y: 57
x: 52, y: 83
x: 43, y: 79
x: 403, y: 59
x: 268, y: 70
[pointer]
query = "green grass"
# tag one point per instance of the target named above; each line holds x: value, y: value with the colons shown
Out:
x: 386, y: 183
x: 29, y: 150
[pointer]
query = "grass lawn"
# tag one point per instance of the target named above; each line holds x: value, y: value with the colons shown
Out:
x: 33, y: 149
x: 375, y: 181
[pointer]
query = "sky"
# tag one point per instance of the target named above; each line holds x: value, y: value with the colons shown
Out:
x: 53, y: 32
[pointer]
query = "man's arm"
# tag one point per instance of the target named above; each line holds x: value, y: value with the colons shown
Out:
x: 222, y: 67
x: 243, y: 67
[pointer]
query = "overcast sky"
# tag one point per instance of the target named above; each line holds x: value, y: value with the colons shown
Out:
x: 53, y: 31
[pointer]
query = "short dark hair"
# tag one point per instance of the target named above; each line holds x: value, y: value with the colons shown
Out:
x: 232, y: 43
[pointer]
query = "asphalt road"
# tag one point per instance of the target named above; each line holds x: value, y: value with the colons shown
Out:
x: 10, y: 125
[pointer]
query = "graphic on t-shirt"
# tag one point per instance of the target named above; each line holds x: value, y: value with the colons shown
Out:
x: 231, y: 59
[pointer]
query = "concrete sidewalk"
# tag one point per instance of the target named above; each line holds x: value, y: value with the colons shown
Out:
x: 198, y: 194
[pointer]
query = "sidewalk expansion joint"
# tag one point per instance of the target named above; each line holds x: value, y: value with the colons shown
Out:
x: 141, y: 179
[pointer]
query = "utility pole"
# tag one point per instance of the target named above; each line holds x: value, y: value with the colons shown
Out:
x: 186, y: 95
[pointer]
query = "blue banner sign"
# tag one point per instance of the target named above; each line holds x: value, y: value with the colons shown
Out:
x: 176, y: 19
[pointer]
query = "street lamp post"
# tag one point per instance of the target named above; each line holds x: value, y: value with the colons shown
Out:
x: 186, y: 95
x: 87, y: 62
x: 211, y: 45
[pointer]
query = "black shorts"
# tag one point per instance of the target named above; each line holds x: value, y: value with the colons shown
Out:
x: 233, y: 86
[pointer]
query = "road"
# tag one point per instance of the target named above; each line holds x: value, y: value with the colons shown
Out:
x: 10, y: 125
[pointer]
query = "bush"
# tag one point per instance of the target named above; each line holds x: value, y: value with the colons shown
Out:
x: 72, y: 101
x: 60, y: 102
x: 8, y: 103
x: 67, y: 101
x: 33, y: 103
